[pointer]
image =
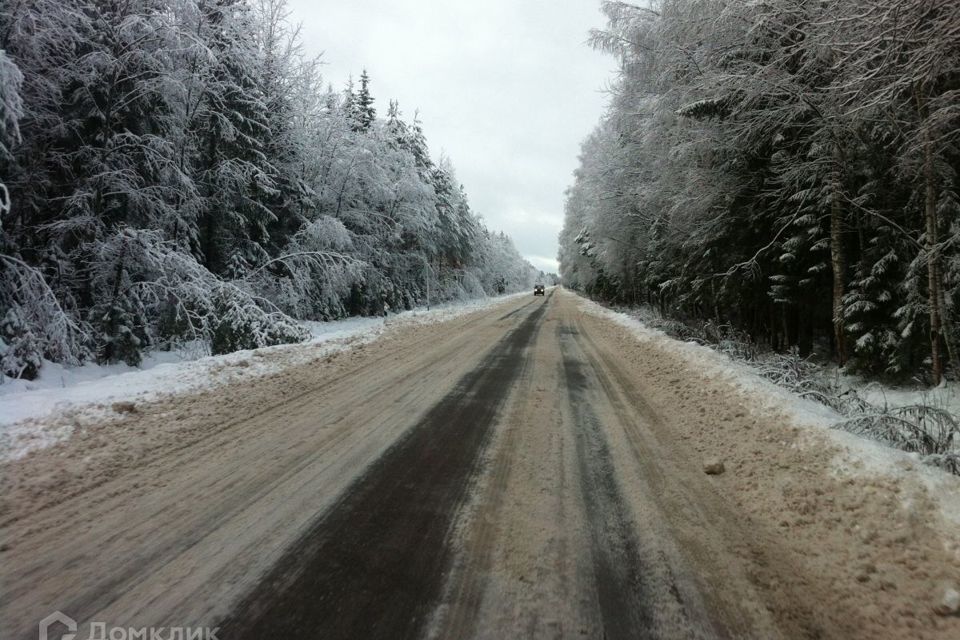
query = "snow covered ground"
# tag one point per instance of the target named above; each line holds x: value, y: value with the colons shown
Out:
x: 858, y: 455
x: 27, y: 407
x: 910, y: 416
x: 946, y: 396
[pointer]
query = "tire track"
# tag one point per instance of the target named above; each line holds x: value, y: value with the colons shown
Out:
x: 510, y: 314
x: 169, y: 516
x: 523, y: 565
x: 620, y: 584
x: 374, y: 565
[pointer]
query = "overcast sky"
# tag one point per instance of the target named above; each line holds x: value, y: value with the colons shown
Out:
x: 506, y: 88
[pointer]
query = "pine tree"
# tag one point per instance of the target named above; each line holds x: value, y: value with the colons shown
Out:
x: 366, y: 114
x: 350, y: 107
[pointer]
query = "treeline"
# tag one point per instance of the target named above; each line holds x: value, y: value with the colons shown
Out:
x: 175, y: 170
x: 788, y: 167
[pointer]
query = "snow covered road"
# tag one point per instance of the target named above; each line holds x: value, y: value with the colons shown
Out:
x: 527, y: 470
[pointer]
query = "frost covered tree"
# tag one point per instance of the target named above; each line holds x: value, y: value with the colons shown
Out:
x: 789, y: 168
x: 175, y: 170
x: 366, y: 114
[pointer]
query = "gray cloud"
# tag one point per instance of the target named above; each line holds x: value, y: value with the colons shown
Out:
x: 506, y: 88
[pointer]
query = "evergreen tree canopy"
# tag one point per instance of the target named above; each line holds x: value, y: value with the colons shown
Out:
x: 175, y: 170
x: 787, y: 168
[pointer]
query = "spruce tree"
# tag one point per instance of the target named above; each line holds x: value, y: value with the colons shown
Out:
x: 366, y: 114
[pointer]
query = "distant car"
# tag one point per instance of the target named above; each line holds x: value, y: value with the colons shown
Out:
x: 538, y: 290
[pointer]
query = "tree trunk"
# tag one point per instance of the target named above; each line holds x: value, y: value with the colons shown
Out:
x: 947, y: 327
x: 933, y: 284
x: 934, y: 295
x: 805, y: 326
x: 109, y: 349
x: 838, y: 257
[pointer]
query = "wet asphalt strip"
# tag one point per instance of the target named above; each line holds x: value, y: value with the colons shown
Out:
x: 373, y: 566
x: 614, y: 548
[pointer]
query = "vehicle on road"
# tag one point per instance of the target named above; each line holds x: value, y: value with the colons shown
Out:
x: 538, y: 290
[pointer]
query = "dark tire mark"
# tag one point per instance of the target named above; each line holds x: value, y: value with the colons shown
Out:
x: 522, y: 307
x: 630, y: 595
x: 510, y: 314
x: 373, y: 566
x: 613, y: 545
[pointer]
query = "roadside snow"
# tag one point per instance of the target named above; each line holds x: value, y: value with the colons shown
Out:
x: 946, y: 396
x: 721, y: 366
x: 26, y: 407
x: 858, y: 456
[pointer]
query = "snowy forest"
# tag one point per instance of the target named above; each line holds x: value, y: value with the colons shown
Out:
x: 785, y: 167
x: 176, y: 170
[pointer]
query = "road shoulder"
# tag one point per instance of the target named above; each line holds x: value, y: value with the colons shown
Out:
x: 873, y: 547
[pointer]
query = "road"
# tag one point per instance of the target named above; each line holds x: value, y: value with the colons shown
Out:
x: 504, y: 474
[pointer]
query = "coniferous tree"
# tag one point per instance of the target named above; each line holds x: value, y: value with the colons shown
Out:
x: 788, y: 168
x: 366, y: 114
x: 173, y: 170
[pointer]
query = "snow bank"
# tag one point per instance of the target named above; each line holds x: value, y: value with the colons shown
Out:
x: 25, y: 406
x: 946, y: 396
x: 720, y: 366
x: 857, y: 455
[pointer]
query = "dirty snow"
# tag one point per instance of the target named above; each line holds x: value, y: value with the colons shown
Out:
x: 93, y: 388
x: 723, y: 367
x: 859, y: 456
